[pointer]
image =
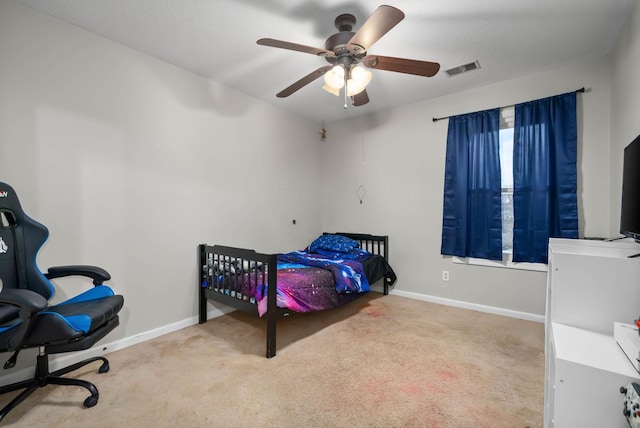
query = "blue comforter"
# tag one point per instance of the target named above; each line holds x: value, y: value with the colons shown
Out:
x: 347, y: 272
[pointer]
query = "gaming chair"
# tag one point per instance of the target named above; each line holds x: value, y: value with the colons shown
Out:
x: 27, y: 320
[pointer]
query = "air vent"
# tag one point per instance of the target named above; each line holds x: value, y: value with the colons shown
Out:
x: 454, y: 71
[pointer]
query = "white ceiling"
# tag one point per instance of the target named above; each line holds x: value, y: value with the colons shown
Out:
x: 217, y: 39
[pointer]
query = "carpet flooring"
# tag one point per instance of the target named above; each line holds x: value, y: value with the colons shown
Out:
x: 380, y: 361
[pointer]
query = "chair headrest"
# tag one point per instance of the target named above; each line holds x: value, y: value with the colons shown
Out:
x: 20, y: 240
x: 8, y: 198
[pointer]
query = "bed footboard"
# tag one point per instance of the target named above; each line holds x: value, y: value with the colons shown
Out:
x: 231, y: 276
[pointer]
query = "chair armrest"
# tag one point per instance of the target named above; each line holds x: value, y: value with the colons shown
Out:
x: 28, y: 304
x: 98, y: 275
x: 27, y: 300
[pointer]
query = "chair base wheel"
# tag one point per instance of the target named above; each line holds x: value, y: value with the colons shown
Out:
x: 90, y: 401
x: 104, y: 368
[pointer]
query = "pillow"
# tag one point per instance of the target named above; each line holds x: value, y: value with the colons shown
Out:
x: 338, y: 243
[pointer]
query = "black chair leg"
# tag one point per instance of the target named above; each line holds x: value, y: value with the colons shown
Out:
x: 43, y: 377
x: 20, y: 398
x: 90, y: 401
x: 103, y: 368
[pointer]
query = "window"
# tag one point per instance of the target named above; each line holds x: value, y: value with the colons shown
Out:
x: 506, y: 174
x: 506, y: 171
x: 524, y: 193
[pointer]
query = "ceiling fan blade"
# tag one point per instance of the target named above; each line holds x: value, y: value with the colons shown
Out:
x: 295, y: 47
x: 360, y: 99
x: 401, y: 65
x: 304, y: 81
x: 379, y: 23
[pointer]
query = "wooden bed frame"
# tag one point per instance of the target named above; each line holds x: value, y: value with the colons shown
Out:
x: 246, y: 259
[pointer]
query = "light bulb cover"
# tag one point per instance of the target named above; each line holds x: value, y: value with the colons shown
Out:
x: 335, y: 77
x: 360, y: 78
x: 334, y: 91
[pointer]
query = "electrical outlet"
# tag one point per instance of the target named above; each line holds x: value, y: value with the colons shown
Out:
x: 445, y: 275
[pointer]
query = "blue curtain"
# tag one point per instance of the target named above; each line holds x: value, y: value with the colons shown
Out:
x: 544, y: 175
x: 472, y: 220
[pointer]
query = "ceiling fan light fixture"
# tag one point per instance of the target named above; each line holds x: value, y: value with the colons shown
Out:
x: 360, y: 78
x: 334, y: 78
x: 331, y: 90
x: 345, y: 49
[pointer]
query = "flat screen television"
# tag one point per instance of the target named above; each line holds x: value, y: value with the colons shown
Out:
x: 630, y: 213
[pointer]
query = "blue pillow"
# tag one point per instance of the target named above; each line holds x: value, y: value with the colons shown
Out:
x: 338, y: 243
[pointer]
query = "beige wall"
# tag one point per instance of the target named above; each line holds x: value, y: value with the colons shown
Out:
x: 132, y: 162
x: 625, y: 106
x: 398, y: 156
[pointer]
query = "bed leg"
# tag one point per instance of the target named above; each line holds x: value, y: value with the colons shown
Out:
x: 202, y: 299
x: 272, y: 315
x: 202, y: 312
x: 271, y: 337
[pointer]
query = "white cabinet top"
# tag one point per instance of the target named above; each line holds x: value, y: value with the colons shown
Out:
x: 615, y: 249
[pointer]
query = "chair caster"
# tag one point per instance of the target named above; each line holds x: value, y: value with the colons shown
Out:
x: 90, y: 401
x: 104, y: 368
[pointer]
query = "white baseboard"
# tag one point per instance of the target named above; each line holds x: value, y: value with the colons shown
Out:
x: 472, y: 306
x: 59, y: 361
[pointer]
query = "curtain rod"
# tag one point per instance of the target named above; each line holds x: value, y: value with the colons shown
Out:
x: 435, y: 119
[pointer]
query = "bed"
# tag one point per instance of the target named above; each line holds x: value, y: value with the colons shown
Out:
x: 335, y: 269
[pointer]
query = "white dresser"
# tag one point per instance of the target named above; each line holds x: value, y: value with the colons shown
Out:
x: 590, y: 285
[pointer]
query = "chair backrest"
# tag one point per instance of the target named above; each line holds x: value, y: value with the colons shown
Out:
x: 21, y: 238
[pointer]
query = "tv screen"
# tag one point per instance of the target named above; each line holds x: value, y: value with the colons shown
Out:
x: 630, y: 213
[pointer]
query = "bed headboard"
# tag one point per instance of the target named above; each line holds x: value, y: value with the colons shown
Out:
x: 375, y: 244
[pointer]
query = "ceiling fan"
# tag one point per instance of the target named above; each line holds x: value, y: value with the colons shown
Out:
x: 345, y: 50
